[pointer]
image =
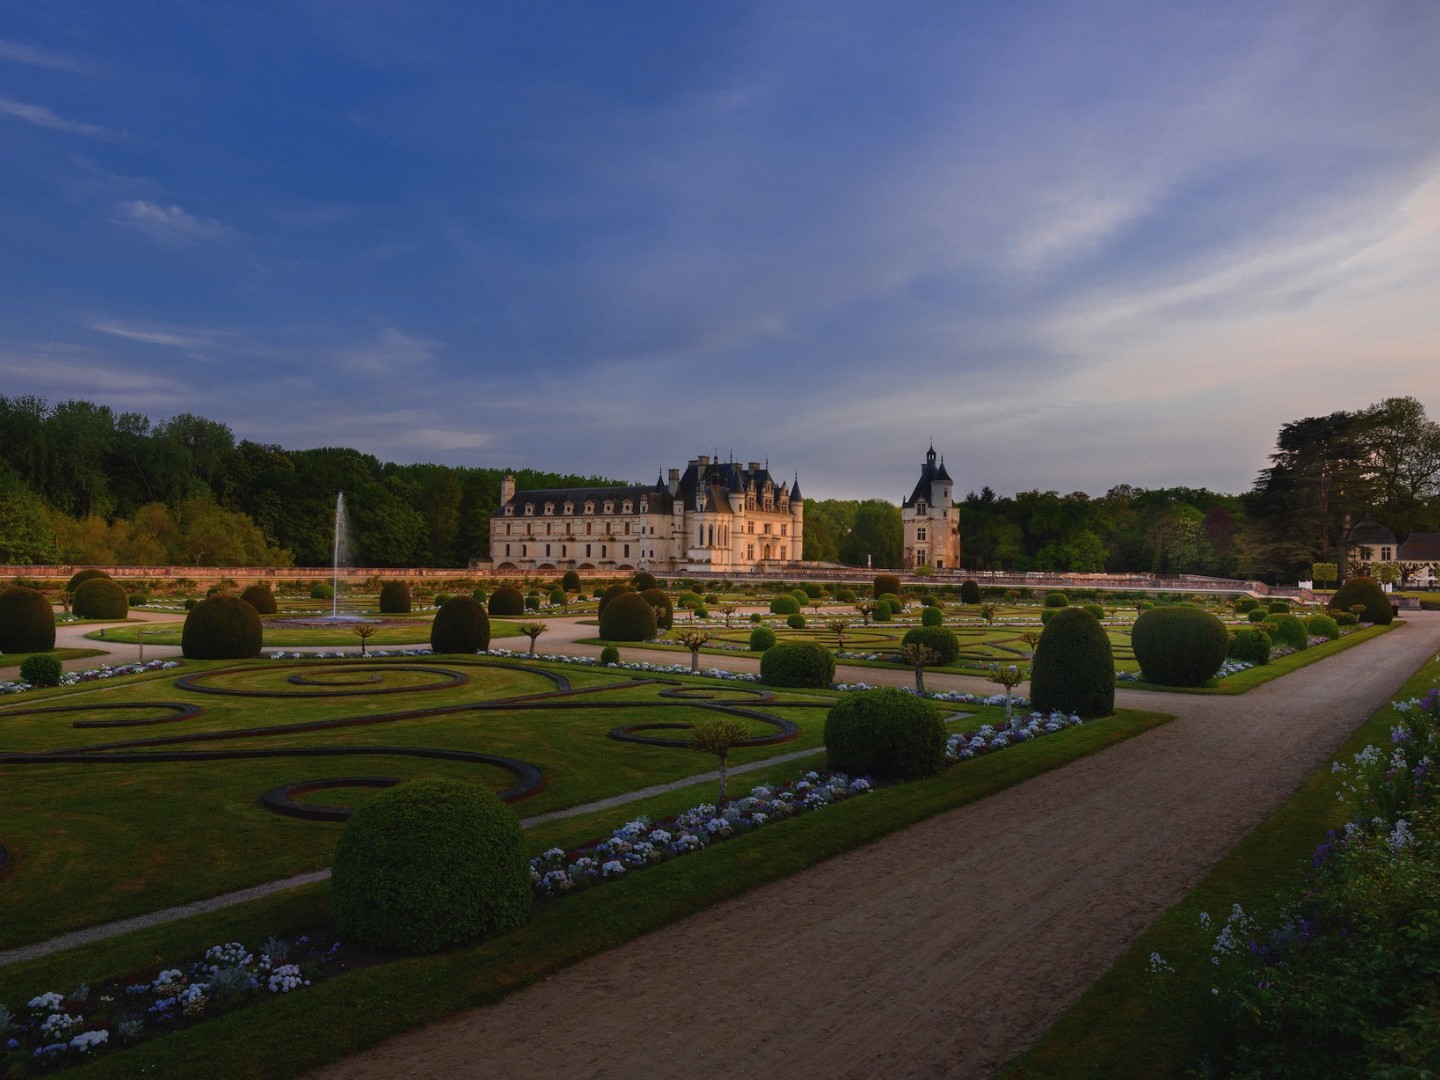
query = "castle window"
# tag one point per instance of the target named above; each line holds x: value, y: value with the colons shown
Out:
x: 1384, y: 554
x: 589, y: 508
x: 569, y: 508
x: 529, y: 509
x: 919, y: 534
x: 609, y: 507
x: 783, y: 527
x: 549, y: 508
x: 644, y: 506
x: 626, y: 507
x: 920, y: 507
x: 767, y: 527
x: 588, y: 528
x: 509, y: 510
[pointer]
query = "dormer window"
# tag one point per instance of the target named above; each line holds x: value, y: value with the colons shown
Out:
x: 569, y: 508
x: 609, y: 507
x: 509, y: 510
x: 590, y: 506
x: 549, y: 508
x: 529, y: 509
x: 920, y: 507
x: 627, y: 507
x: 644, y: 506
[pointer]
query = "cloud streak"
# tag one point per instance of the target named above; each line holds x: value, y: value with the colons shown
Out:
x: 44, y: 117
x: 168, y: 226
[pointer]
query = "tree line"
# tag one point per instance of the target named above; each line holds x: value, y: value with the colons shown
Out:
x: 80, y: 483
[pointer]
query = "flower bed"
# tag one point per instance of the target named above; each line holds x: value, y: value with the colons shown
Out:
x: 993, y: 737
x: 104, y: 671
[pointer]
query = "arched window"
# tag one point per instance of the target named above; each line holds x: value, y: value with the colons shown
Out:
x: 549, y: 508
x: 589, y: 506
x: 569, y: 508
x: 609, y: 507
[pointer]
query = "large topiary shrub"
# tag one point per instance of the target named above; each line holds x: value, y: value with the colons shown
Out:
x: 795, y: 622
x: 609, y: 655
x: 429, y: 864
x: 969, y: 591
x: 802, y: 664
x: 1257, y: 614
x: 41, y: 670
x: 100, y: 598
x: 942, y: 641
x: 761, y: 638
x: 81, y: 576
x: 883, y: 611
x: 557, y: 597
x: 886, y: 583
x: 460, y: 626
x: 1364, y: 591
x: 1246, y: 604
x: 570, y: 581
x: 1278, y: 607
x: 664, y: 610
x: 885, y: 733
x: 897, y: 605
x: 1073, y: 669
x: 1179, y: 646
x: 27, y: 621
x: 643, y: 580
x: 784, y: 604
x: 1287, y: 631
x: 932, y: 616
x: 221, y: 628
x: 507, y: 600
x: 1250, y: 644
x: 260, y: 598
x: 628, y: 617
x: 1056, y: 600
x: 395, y: 598
x: 610, y: 594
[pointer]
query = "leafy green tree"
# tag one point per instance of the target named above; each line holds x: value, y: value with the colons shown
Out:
x: 26, y: 534
x: 878, y: 534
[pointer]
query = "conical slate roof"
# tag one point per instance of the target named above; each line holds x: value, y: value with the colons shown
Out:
x: 1368, y: 531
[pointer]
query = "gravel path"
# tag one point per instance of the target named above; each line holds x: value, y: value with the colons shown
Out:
x: 947, y: 948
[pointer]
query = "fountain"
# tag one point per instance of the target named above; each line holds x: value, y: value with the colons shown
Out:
x: 340, y: 554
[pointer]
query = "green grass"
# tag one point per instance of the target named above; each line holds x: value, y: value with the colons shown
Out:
x: 291, y: 1035
x: 1119, y: 1028
x: 14, y: 660
x: 278, y: 636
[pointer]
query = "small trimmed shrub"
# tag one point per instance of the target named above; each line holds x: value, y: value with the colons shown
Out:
x: 1287, y: 630
x: 1278, y: 607
x: 1056, y: 599
x: 260, y: 598
x: 784, y: 604
x: 928, y: 600
x: 138, y: 599
x: 570, y: 581
x: 969, y: 591
x: 813, y: 590
x: 81, y: 576
x: 886, y: 583
x: 885, y: 733
x: 711, y: 598
x: 1251, y: 644
x: 932, y: 616
x: 532, y: 601
x: 610, y: 594
x: 1367, y: 591
x: 1246, y: 603
x: 1257, y: 614
x: 883, y: 611
x: 628, y: 617
x: 1346, y: 618
x: 795, y: 622
x: 643, y: 580
x: 1095, y: 609
x: 1145, y: 605
x: 506, y: 601
x: 558, y: 597
x: 1046, y: 614
x: 1073, y: 669
x: 40, y: 670
x: 802, y: 664
x: 942, y: 641
x: 845, y: 596
x: 755, y: 617
x: 609, y: 655
x: 1179, y: 646
x: 479, y: 595
x: 27, y: 621
x: 896, y: 604
x: 429, y: 864
x: 100, y: 598
x: 688, y: 600
x: 801, y: 596
x: 395, y: 598
x: 221, y: 628
x: 664, y: 612
x: 322, y: 590
x: 702, y: 612
x: 460, y: 626
x: 1322, y: 626
x: 190, y: 603
x: 440, y: 600
x: 761, y: 638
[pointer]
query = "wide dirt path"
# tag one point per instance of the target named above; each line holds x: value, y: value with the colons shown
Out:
x: 950, y: 946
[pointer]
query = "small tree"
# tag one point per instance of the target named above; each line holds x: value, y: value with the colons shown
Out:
x: 532, y: 630
x: 987, y: 612
x: 866, y: 608
x: 694, y: 640
x: 839, y: 626
x: 1009, y: 676
x: 1387, y: 573
x: 1324, y: 572
x: 920, y: 657
x: 728, y: 608
x: 364, y: 631
x: 716, y: 735
x: 1031, y: 638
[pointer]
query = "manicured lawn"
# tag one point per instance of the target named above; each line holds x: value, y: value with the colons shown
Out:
x: 407, y: 630
x: 10, y: 661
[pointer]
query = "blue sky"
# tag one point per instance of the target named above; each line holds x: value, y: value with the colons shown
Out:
x: 1075, y: 244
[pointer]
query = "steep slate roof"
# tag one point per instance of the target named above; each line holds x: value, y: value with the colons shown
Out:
x: 795, y: 495
x: 929, y: 473
x: 1420, y: 547
x: 1368, y: 531
x: 658, y: 498
x: 720, y: 479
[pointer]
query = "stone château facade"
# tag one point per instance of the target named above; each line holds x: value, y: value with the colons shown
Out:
x: 717, y: 516
x: 1370, y: 543
x: 931, y: 519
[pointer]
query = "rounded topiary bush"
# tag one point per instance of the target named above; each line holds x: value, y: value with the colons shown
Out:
x: 441, y: 599
x: 1364, y: 591
x: 1250, y: 644
x: 628, y: 617
x: 27, y: 621
x: 802, y: 664
x: 221, y: 628
x: 688, y: 599
x: 1073, y: 669
x: 532, y: 601
x: 610, y: 594
x: 883, y: 611
x: 969, y: 591
x: 1046, y: 614
x: 42, y: 670
x: 557, y: 597
x: 929, y: 600
x: 845, y: 596
x: 886, y: 583
x: 784, y: 604
x: 1056, y: 599
x: 429, y: 864
x: 1346, y: 618
x: 261, y: 599
x: 1246, y: 604
x: 460, y: 626
x: 1179, y: 646
x: 885, y: 733
x: 761, y: 638
x: 896, y: 604
x: 795, y: 622
x: 1287, y: 631
x: 1322, y: 626
x: 813, y: 590
x: 1278, y: 607
x: 942, y: 641
x: 801, y: 596
x: 480, y: 595
x: 609, y: 655
x: 664, y: 610
x: 100, y: 598
x: 1094, y: 609
x: 81, y: 576
x: 570, y: 581
x: 506, y: 600
x: 138, y: 599
x: 1257, y: 614
x: 643, y: 580
x: 932, y: 616
x: 702, y: 612
x: 394, y: 598
x: 322, y: 590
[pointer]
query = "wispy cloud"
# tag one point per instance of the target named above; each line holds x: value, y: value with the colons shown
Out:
x: 169, y: 226
x: 37, y: 57
x: 41, y: 116
x: 155, y: 336
x: 392, y: 352
x: 70, y: 369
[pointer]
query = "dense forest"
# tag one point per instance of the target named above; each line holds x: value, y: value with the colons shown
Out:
x: 80, y: 483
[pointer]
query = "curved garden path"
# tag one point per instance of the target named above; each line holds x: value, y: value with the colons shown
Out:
x: 950, y: 946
